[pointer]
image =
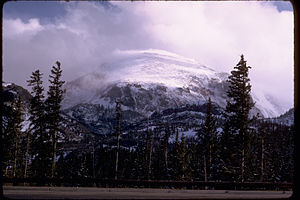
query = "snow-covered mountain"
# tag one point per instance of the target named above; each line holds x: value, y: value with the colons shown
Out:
x: 154, y: 80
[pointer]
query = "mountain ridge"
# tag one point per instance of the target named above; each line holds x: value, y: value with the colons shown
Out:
x: 168, y: 79
x: 98, y: 119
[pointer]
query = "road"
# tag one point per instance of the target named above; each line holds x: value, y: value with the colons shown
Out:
x: 20, y: 192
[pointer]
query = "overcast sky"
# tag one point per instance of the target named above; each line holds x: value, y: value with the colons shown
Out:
x: 82, y: 35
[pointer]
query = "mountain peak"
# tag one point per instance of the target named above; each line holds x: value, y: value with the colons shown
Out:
x: 156, y: 66
x: 153, y: 80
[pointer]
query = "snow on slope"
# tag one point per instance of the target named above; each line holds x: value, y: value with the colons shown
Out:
x: 267, y: 104
x: 152, y: 80
x: 157, y: 66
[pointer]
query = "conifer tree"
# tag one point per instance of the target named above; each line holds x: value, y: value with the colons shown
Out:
x: 182, y: 155
x: 176, y: 157
x: 7, y: 139
x: 53, y: 105
x: 118, y: 134
x: 17, y: 126
x: 148, y: 152
x: 164, y: 154
x: 8, y: 125
x: 14, y: 136
x: 236, y: 128
x: 40, y: 137
x: 194, y: 160
x: 208, y: 135
x: 27, y: 152
x: 262, y: 136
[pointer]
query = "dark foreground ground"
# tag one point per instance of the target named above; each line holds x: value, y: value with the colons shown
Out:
x: 20, y: 192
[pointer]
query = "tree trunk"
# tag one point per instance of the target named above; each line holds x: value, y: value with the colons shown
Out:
x: 150, y: 159
x: 243, y: 165
x: 94, y: 159
x: 117, y: 157
x: 166, y: 159
x: 166, y: 150
x: 15, y: 157
x: 54, y: 155
x: 148, y: 153
x: 118, y: 129
x: 209, y: 155
x: 6, y: 170
x: 262, y: 159
x: 205, y: 172
x: 27, y: 156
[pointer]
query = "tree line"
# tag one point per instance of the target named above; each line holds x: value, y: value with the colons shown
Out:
x: 244, y: 149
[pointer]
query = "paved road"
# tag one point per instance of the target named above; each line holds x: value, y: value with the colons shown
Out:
x: 19, y: 192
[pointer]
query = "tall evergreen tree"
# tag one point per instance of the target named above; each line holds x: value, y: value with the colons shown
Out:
x: 17, y: 126
x: 13, y: 137
x: 27, y: 152
x: 53, y: 105
x: 7, y: 139
x: 163, y: 155
x: 236, y: 128
x: 118, y: 134
x: 194, y: 160
x: 262, y: 135
x: 40, y: 137
x: 147, y: 155
x: 175, y: 157
x: 138, y: 164
x: 183, y: 162
x: 208, y: 135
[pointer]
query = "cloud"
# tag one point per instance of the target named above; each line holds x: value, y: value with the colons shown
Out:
x: 13, y: 28
x: 214, y: 33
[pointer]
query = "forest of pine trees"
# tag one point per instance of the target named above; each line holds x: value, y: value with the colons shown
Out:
x: 244, y: 150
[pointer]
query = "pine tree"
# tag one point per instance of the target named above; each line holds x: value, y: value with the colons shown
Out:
x: 194, y: 160
x: 164, y: 154
x: 208, y: 135
x: 118, y: 134
x: 40, y: 137
x: 18, y: 119
x: 262, y: 136
x: 7, y: 139
x: 182, y: 155
x: 161, y: 155
x: 14, y: 136
x: 53, y: 105
x: 148, y: 152
x: 175, y: 156
x: 27, y: 153
x: 236, y: 128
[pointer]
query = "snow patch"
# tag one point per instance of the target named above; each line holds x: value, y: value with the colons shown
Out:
x: 6, y: 84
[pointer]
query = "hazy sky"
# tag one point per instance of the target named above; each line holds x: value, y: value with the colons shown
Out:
x: 82, y: 35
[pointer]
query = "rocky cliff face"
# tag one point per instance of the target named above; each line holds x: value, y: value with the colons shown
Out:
x: 12, y: 91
